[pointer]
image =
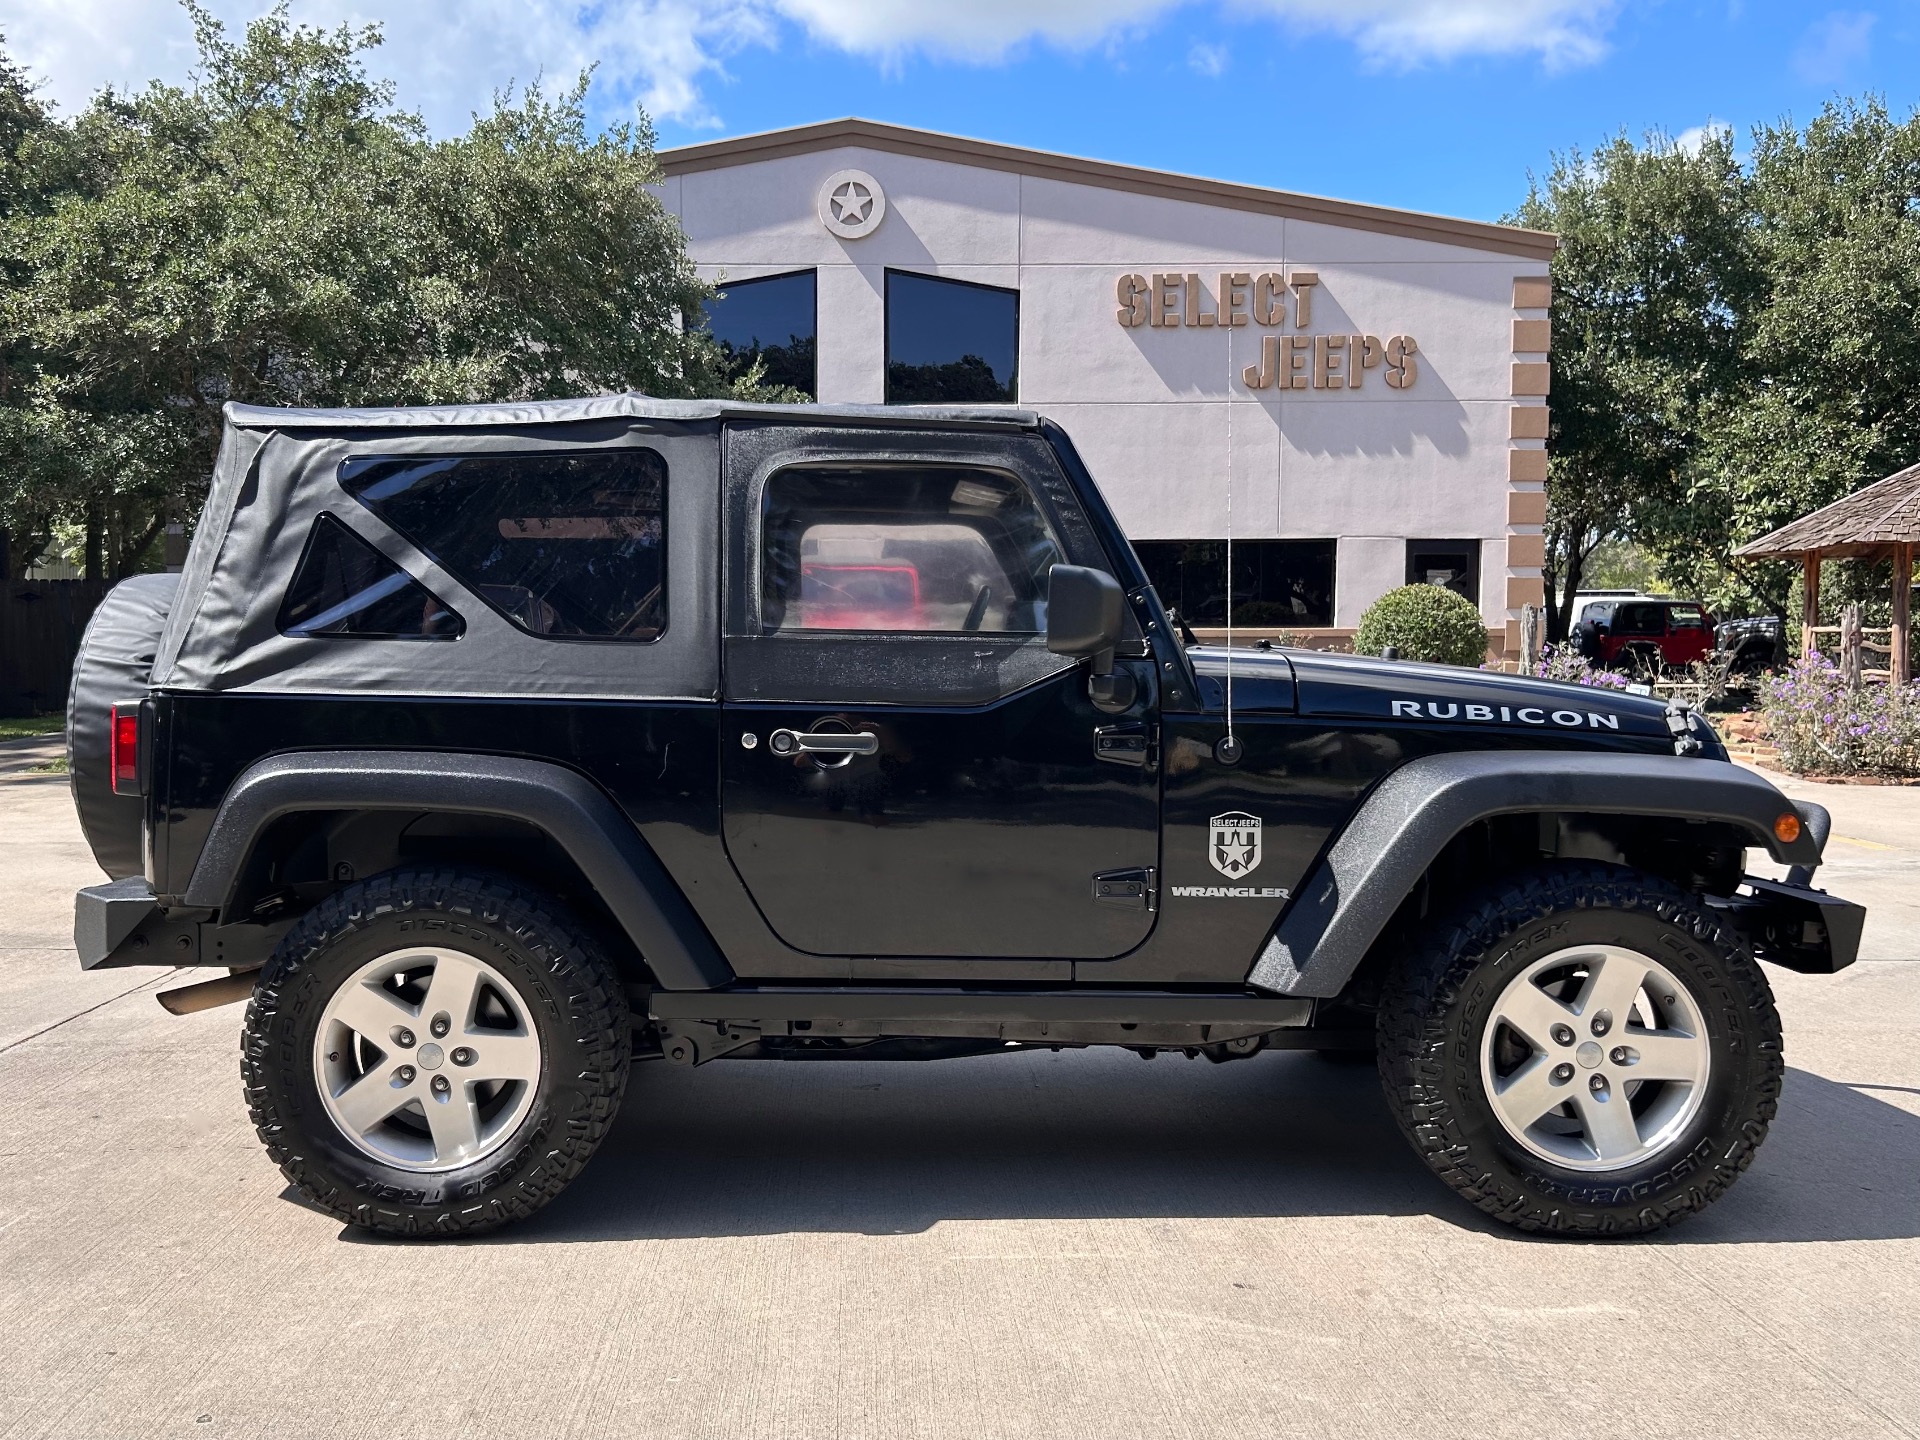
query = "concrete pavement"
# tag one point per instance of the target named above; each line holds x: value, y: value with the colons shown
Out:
x: 1035, y: 1245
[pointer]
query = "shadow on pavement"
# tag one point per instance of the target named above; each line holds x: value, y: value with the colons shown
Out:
x: 768, y: 1148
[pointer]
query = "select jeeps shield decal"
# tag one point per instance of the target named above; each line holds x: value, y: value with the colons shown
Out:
x: 1233, y: 843
x: 1233, y: 848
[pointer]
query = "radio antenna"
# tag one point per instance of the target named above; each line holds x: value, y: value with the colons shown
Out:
x: 1231, y: 746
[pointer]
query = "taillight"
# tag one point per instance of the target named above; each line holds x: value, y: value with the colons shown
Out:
x: 126, y: 748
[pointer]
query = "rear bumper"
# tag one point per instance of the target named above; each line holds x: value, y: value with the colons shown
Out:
x: 1794, y: 926
x: 121, y: 923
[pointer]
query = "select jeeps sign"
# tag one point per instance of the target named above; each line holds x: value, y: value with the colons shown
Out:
x: 1173, y: 300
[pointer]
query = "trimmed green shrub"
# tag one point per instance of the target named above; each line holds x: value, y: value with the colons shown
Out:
x: 1424, y: 622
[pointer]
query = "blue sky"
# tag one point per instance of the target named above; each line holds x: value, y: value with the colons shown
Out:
x: 1439, y: 105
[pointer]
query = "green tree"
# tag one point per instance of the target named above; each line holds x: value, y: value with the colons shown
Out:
x: 1830, y: 351
x: 1653, y: 276
x: 1734, y: 345
x: 278, y: 231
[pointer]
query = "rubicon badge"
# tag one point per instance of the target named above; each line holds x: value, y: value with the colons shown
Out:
x: 1233, y: 843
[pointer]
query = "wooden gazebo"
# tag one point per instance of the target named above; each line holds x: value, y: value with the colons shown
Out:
x: 1881, y: 522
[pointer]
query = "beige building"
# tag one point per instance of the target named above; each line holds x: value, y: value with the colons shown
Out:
x: 1358, y: 393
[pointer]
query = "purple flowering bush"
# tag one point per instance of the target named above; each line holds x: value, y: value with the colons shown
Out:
x: 1822, y: 727
x: 1563, y: 662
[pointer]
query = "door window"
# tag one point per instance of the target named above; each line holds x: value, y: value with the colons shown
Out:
x: 931, y: 550
x: 1687, y: 617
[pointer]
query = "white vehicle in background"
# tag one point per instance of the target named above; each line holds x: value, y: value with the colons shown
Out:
x: 1584, y: 598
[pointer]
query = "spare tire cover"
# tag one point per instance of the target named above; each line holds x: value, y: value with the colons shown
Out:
x: 115, y: 664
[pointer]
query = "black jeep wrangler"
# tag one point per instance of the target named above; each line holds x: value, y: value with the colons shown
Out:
x: 493, y: 748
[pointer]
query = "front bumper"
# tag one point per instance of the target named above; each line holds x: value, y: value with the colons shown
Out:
x: 1796, y: 926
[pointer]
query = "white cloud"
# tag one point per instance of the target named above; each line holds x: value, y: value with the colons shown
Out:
x: 1413, y: 32
x: 449, y: 57
x: 1208, y: 60
x: 1831, y: 46
x: 1694, y: 137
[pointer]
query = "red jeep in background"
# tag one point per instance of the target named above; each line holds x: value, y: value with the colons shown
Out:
x: 1644, y: 635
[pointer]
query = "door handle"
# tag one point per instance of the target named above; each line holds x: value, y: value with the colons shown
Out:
x: 822, y: 742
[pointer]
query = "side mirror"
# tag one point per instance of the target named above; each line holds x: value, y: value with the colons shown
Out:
x: 1085, y: 612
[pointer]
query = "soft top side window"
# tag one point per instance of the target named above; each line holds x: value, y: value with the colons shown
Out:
x: 563, y: 543
x: 918, y: 548
x: 344, y: 588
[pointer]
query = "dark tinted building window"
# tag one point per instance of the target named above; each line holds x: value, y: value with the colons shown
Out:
x: 928, y: 550
x: 345, y: 587
x: 1452, y: 563
x: 771, y: 320
x: 561, y: 544
x: 1275, y: 582
x: 950, y: 341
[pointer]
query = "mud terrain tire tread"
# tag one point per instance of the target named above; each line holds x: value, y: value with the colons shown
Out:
x: 585, y: 1003
x: 1429, y: 1062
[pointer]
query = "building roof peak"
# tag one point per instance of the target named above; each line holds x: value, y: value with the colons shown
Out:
x: 992, y: 155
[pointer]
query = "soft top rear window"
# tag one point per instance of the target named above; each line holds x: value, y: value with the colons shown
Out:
x: 566, y: 544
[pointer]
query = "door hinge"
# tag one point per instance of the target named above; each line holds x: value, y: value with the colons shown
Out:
x: 1133, y: 888
x: 1130, y: 744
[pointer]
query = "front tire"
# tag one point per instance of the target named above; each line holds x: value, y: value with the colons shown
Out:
x: 433, y: 1052
x: 1582, y: 1049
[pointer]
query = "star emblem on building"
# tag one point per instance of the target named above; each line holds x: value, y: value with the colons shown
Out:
x: 851, y: 202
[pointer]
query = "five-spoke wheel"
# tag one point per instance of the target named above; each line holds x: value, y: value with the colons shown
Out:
x: 426, y: 1059
x: 1595, y: 1057
x: 1580, y: 1048
x: 435, y: 1051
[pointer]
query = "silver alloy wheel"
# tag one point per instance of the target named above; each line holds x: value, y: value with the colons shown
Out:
x: 1595, y: 1058
x: 427, y: 1059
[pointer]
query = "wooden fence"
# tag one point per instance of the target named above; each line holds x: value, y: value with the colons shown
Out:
x: 41, y: 622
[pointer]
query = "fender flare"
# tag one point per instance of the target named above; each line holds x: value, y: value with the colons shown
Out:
x: 575, y: 813
x: 1348, y: 898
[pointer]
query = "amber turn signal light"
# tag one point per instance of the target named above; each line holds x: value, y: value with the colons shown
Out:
x: 1787, y: 827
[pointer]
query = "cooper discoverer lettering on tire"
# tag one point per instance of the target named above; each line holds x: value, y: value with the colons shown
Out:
x: 1582, y: 1048
x: 434, y: 1052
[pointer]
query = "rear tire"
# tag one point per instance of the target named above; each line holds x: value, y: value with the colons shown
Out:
x: 1536, y: 1092
x: 435, y: 1052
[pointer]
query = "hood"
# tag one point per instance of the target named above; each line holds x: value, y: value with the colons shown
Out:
x: 1314, y: 682
x: 1362, y: 687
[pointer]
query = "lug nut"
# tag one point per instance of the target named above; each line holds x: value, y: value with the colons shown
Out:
x: 1598, y: 1084
x: 441, y: 1024
x: 404, y: 1074
x: 1621, y: 1055
x: 1602, y: 1022
x: 1561, y: 1074
x: 403, y: 1037
x: 440, y: 1086
x: 462, y: 1056
x: 1563, y: 1035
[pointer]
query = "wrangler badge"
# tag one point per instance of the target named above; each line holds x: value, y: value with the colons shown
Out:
x: 1233, y: 843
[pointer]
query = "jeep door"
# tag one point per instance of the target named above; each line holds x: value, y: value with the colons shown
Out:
x: 906, y: 770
